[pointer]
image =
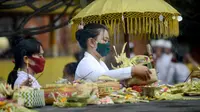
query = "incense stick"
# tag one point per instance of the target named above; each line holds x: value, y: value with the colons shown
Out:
x: 188, y: 76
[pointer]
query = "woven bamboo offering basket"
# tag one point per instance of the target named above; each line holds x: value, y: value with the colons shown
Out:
x: 135, y: 81
x: 106, y: 88
x: 86, y: 89
x: 55, y: 89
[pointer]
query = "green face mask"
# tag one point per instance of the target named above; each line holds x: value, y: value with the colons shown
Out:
x: 103, y: 49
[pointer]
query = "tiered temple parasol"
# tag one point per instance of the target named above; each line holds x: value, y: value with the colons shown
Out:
x: 149, y: 18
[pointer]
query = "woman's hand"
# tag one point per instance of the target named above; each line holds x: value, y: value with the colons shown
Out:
x: 141, y: 72
x: 27, y: 82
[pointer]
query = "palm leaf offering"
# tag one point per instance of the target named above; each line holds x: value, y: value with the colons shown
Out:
x: 6, y: 90
x: 123, y: 61
x: 179, y: 91
x: 74, y: 101
x: 186, y: 88
x: 126, y: 95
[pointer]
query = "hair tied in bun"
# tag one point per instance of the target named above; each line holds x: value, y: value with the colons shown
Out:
x: 78, y: 34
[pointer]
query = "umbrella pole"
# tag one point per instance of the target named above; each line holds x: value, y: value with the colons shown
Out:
x: 126, y: 40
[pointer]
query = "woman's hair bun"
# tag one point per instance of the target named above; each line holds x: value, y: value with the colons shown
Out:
x: 79, y: 33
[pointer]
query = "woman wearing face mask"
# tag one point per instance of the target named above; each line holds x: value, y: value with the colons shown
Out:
x: 94, y: 39
x: 28, y: 60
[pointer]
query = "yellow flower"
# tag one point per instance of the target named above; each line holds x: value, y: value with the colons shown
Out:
x: 128, y: 97
x: 63, y: 100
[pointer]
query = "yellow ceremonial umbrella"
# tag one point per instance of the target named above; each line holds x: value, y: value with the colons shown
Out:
x: 148, y: 17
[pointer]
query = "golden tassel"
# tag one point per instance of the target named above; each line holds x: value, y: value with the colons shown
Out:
x: 154, y: 27
x: 127, y: 25
x: 115, y: 28
x: 170, y: 27
x: 174, y: 27
x: 167, y: 28
x: 147, y: 25
x: 139, y: 27
x: 106, y: 24
x: 177, y: 29
x: 157, y: 22
x: 111, y: 26
x: 131, y: 25
x: 118, y: 29
x: 164, y: 29
x: 136, y: 23
x: 150, y: 25
x: 161, y: 27
x: 111, y: 29
x: 143, y: 25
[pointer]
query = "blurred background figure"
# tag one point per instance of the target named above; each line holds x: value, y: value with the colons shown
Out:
x: 178, y: 71
x: 159, y: 48
x: 131, y: 46
x: 162, y: 60
x: 167, y: 53
x: 168, y: 48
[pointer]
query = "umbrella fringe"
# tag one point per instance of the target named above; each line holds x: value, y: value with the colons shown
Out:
x: 136, y: 24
